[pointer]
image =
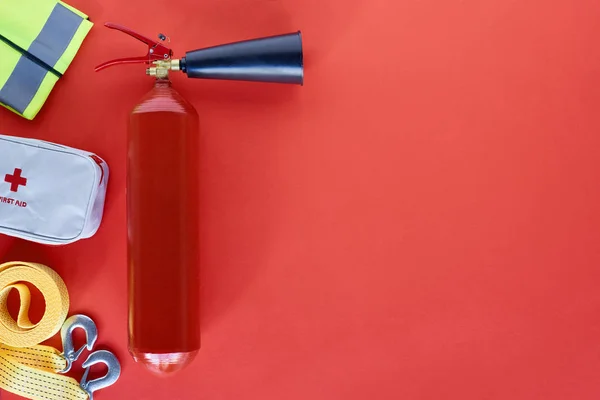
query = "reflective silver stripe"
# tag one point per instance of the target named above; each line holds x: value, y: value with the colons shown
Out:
x: 22, y: 84
x: 56, y: 35
x: 49, y: 46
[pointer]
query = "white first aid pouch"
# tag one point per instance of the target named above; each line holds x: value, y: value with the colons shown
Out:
x: 49, y: 193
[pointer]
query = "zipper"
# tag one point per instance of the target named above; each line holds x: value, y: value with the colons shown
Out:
x: 30, y: 56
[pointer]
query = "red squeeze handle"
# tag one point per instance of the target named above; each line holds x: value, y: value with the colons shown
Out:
x: 156, y: 50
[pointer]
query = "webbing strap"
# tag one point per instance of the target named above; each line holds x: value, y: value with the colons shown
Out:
x: 27, y: 368
x: 48, y: 46
x: 39, y: 357
x: 34, y: 383
x: 23, y: 333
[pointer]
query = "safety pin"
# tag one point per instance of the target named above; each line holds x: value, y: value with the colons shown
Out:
x: 66, y: 333
x: 113, y: 374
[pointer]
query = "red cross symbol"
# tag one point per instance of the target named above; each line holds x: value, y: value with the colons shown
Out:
x: 15, y: 180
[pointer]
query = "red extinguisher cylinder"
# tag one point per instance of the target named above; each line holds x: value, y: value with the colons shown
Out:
x: 163, y: 236
x: 162, y: 187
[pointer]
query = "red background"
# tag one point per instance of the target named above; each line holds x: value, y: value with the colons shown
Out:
x: 419, y: 221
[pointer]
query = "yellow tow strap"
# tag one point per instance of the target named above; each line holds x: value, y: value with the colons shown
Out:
x: 27, y: 368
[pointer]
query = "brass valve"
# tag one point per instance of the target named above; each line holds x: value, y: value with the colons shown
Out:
x: 162, y: 68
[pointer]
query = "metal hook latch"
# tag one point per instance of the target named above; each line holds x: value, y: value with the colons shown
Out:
x: 114, y: 371
x: 66, y: 333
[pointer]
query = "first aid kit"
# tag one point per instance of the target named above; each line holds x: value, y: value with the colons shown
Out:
x: 49, y: 193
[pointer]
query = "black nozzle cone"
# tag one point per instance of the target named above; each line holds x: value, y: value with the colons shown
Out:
x: 276, y: 59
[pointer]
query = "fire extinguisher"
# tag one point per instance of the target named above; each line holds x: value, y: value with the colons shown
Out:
x: 162, y: 188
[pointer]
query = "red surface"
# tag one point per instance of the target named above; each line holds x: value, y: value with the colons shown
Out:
x: 419, y: 221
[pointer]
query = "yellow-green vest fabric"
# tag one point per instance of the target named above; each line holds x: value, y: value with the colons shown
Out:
x: 38, y: 41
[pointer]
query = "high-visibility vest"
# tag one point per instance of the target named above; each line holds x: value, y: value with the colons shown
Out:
x: 38, y: 42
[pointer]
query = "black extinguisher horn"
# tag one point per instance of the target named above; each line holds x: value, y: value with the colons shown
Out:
x: 275, y: 59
